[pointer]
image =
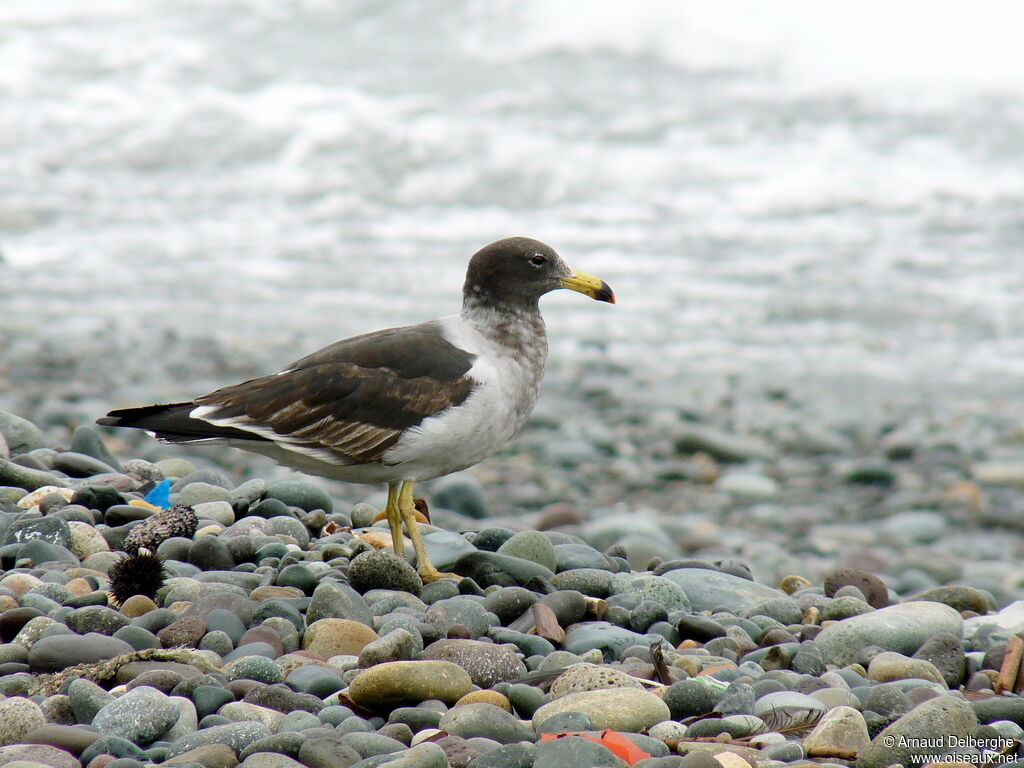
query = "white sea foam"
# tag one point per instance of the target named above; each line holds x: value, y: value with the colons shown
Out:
x: 809, y: 193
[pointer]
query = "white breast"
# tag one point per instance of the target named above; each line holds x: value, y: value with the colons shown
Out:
x: 509, y: 382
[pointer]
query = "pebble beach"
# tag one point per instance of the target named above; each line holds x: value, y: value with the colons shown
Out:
x: 286, y: 633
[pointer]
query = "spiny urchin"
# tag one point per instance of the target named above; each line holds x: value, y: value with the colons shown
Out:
x: 179, y: 520
x: 138, y: 573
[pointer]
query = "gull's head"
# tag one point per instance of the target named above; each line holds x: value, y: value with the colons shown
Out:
x: 517, y: 271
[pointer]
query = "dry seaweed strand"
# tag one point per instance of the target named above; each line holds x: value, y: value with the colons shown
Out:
x: 660, y: 666
x: 103, y: 671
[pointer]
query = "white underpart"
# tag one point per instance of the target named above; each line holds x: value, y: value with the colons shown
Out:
x: 491, y: 416
x: 509, y: 376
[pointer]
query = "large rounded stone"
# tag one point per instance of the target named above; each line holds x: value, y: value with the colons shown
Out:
x: 486, y: 721
x: 20, y: 434
x: 86, y: 699
x: 889, y: 665
x: 904, y: 740
x: 142, y: 715
x: 903, y: 628
x: 86, y: 540
x: 576, y: 752
x: 18, y: 716
x: 35, y: 755
x: 380, y: 569
x: 96, y: 618
x: 57, y: 652
x: 623, y: 709
x: 400, y: 683
x: 841, y: 731
x: 300, y: 493
x: 52, y: 530
x: 486, y: 663
x: 333, y: 637
x: 591, y: 677
x: 710, y: 590
x: 332, y: 600
x: 531, y: 545
x: 237, y: 736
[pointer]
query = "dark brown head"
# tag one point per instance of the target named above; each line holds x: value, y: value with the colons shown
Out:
x: 517, y: 271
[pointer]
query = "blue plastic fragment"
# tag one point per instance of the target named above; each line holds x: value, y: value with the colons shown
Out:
x: 160, y: 496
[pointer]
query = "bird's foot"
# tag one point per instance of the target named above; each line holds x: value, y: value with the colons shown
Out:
x: 383, y: 513
x: 431, y: 574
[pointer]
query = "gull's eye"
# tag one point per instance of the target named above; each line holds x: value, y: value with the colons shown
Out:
x: 538, y: 260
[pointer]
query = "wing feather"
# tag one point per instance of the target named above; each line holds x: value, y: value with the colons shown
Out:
x: 353, y: 399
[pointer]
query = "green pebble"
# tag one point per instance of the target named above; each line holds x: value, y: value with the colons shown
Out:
x: 138, y: 638
x: 301, y: 494
x: 530, y: 545
x: 175, y: 467
x: 526, y: 699
x: 199, y: 492
x: 299, y: 721
x: 257, y: 668
x: 298, y: 576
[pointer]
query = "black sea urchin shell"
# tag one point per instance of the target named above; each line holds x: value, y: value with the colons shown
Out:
x: 179, y: 520
x: 141, y: 573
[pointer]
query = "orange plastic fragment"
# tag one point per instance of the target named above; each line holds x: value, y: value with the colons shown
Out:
x: 619, y: 745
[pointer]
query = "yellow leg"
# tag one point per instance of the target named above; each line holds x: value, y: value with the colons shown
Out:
x: 394, y: 516
x: 408, y: 511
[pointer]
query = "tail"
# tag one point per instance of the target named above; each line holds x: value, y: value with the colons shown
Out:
x: 173, y: 423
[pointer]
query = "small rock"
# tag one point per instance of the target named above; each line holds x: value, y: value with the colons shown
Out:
x: 36, y: 755
x: 889, y: 665
x: 710, y: 590
x: 236, y: 736
x: 18, y: 716
x: 333, y: 637
x: 958, y: 596
x: 243, y: 711
x: 332, y: 600
x: 573, y: 752
x: 693, y: 438
x: 187, y: 631
x: 56, y: 652
x: 903, y: 628
x: 902, y: 741
x: 20, y: 435
x: 380, y: 569
x: 51, y: 530
x: 841, y: 732
x: 486, y: 663
x: 591, y: 677
x: 872, y: 587
x: 300, y: 493
x: 604, y: 636
x: 747, y: 485
x: 397, y: 645
x: 462, y: 493
x: 690, y: 698
x: 623, y: 709
x: 531, y: 545
x: 400, y: 683
x: 488, y: 568
x: 486, y: 721
x: 1010, y: 473
x: 141, y: 716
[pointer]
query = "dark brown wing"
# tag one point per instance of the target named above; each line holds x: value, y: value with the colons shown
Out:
x: 353, y: 398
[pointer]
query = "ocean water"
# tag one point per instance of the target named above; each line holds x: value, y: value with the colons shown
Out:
x: 825, y: 199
